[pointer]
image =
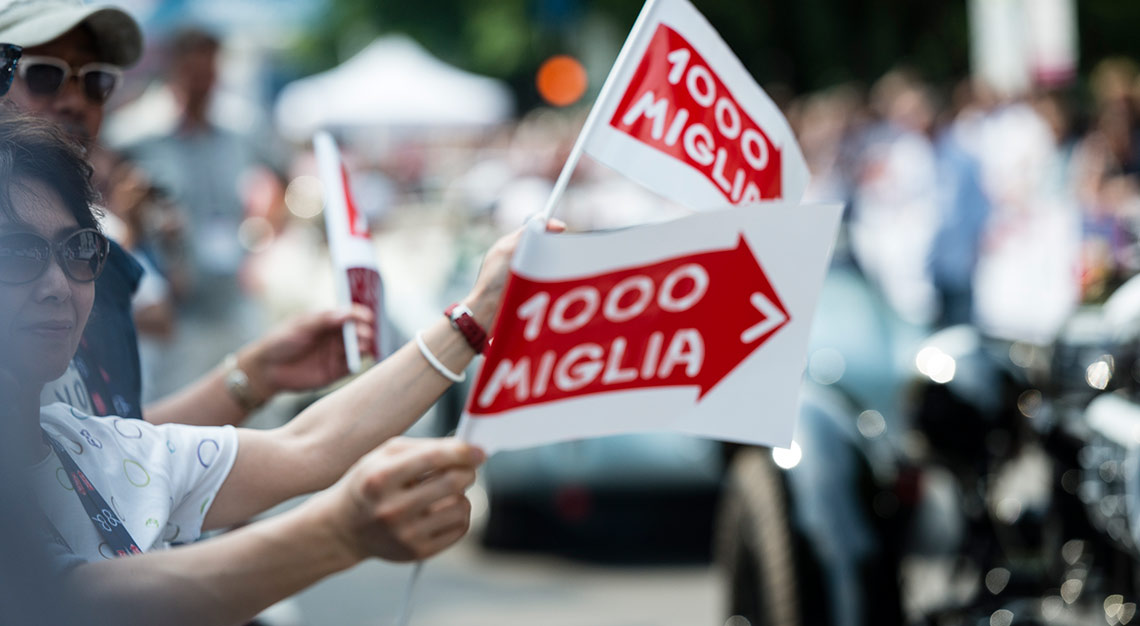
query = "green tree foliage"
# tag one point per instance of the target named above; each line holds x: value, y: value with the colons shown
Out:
x: 501, y: 38
x: 800, y: 44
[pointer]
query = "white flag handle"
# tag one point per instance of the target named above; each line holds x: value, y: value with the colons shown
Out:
x: 329, y: 168
x: 592, y: 119
x: 409, y: 593
x: 413, y: 581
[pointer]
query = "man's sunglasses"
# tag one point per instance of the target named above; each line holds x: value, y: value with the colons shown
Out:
x: 25, y: 257
x: 45, y: 76
x: 9, y: 58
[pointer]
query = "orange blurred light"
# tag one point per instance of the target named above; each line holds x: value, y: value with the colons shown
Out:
x: 561, y: 80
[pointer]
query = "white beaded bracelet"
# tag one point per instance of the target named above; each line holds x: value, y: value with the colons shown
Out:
x: 439, y: 367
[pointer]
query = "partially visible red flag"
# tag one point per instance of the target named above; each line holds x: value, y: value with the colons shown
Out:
x: 681, y: 115
x: 350, y: 246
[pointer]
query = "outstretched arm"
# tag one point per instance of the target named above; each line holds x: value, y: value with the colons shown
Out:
x: 402, y: 502
x: 307, y: 353
x: 315, y: 448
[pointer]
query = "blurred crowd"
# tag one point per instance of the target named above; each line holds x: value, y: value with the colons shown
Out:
x: 964, y: 205
x: 969, y: 206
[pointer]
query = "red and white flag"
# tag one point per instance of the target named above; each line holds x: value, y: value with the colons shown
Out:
x: 681, y: 115
x: 350, y: 246
x: 699, y: 326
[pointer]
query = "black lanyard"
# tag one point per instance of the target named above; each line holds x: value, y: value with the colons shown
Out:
x: 102, y: 516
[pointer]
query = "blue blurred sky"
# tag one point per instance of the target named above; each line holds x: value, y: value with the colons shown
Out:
x: 158, y: 16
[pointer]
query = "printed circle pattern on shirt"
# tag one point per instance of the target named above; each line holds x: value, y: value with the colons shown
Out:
x: 159, y: 480
x: 208, y: 452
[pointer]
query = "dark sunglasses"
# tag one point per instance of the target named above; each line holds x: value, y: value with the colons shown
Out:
x: 9, y: 59
x: 24, y: 257
x: 45, y: 76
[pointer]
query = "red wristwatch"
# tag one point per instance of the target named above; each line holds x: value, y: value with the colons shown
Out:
x: 464, y: 321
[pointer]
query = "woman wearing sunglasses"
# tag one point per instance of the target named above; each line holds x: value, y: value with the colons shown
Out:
x: 109, y: 488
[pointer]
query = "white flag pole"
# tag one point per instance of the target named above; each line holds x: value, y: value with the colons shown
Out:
x: 413, y: 582
x: 595, y: 111
x: 329, y: 166
x: 409, y: 594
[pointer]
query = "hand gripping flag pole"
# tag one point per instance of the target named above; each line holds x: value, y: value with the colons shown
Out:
x: 635, y: 35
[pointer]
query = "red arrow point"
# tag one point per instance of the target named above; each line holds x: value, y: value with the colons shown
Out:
x: 750, y: 310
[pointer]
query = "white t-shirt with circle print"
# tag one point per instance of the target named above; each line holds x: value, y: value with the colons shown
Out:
x: 160, y: 480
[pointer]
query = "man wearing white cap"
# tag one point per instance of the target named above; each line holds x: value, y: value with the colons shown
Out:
x: 91, y: 43
x: 73, y: 59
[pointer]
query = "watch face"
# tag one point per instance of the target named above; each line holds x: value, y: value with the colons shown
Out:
x: 237, y: 384
x: 236, y: 378
x: 458, y: 311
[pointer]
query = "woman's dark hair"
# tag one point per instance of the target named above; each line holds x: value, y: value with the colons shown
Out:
x: 35, y: 149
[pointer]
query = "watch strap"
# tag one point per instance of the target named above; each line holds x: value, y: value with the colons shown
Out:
x: 463, y: 320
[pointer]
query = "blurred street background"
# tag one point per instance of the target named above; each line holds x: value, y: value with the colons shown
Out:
x: 467, y: 586
x: 987, y: 152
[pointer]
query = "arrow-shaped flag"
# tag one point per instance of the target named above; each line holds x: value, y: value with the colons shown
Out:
x: 685, y: 321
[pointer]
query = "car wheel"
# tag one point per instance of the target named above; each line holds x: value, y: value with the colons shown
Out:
x: 755, y: 544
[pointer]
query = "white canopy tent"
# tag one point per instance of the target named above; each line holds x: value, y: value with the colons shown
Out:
x: 393, y: 83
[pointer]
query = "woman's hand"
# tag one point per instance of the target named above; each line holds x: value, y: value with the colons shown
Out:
x: 307, y: 353
x: 405, y: 500
x: 487, y: 295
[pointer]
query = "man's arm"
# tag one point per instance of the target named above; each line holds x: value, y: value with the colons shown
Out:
x: 385, y: 507
x: 307, y: 353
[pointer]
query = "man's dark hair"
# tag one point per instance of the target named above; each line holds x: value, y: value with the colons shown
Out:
x: 192, y: 40
x: 34, y: 149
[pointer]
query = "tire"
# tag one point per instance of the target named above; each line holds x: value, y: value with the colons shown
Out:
x: 755, y: 543
x: 509, y: 525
